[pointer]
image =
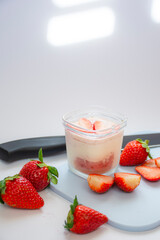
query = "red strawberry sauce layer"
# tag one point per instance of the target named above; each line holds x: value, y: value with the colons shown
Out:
x: 100, y: 167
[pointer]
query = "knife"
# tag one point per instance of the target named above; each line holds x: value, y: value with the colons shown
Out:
x: 28, y: 148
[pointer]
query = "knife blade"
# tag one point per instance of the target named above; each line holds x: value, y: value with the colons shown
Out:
x: 154, y: 139
x: 28, y: 148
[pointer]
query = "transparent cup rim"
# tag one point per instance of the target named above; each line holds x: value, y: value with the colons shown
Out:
x: 95, y: 133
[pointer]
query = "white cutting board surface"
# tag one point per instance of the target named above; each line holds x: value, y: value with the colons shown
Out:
x: 135, y: 211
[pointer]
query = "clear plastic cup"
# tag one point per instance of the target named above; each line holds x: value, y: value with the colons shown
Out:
x: 94, y: 151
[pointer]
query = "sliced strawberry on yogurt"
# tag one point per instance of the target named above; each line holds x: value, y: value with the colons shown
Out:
x: 99, y: 125
x: 85, y: 123
x: 102, y: 125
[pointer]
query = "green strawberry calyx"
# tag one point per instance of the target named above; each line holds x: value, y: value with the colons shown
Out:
x: 70, y: 218
x: 145, y: 145
x: 3, y: 185
x: 52, y: 171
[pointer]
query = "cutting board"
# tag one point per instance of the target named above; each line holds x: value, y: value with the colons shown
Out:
x: 135, y: 211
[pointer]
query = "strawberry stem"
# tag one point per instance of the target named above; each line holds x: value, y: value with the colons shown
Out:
x: 150, y: 155
x: 2, y: 187
x: 1, y: 201
x: 52, y: 171
x: 70, y: 218
x: 145, y: 145
x: 52, y: 174
x: 40, y: 155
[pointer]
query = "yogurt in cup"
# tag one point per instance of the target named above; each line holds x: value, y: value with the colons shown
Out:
x: 93, y: 140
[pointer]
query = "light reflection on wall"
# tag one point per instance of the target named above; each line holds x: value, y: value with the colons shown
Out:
x: 81, y: 26
x: 69, y: 3
x: 155, y: 11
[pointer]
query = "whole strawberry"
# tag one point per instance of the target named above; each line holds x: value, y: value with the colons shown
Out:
x: 18, y: 192
x: 82, y: 219
x: 39, y: 173
x: 135, y: 153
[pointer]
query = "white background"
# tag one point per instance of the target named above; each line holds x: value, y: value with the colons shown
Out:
x: 39, y: 82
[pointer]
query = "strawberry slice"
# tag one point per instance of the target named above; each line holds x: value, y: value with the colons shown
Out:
x: 85, y: 123
x: 157, y: 162
x: 149, y: 173
x: 127, y: 181
x: 100, y: 183
x: 99, y: 125
x: 149, y: 163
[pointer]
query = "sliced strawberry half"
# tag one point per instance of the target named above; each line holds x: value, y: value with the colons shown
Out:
x: 100, y: 183
x: 149, y: 163
x: 157, y: 162
x: 99, y: 125
x: 127, y: 181
x: 149, y: 173
x: 85, y: 123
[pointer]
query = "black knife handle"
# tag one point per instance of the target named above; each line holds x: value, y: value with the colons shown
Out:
x: 28, y: 148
